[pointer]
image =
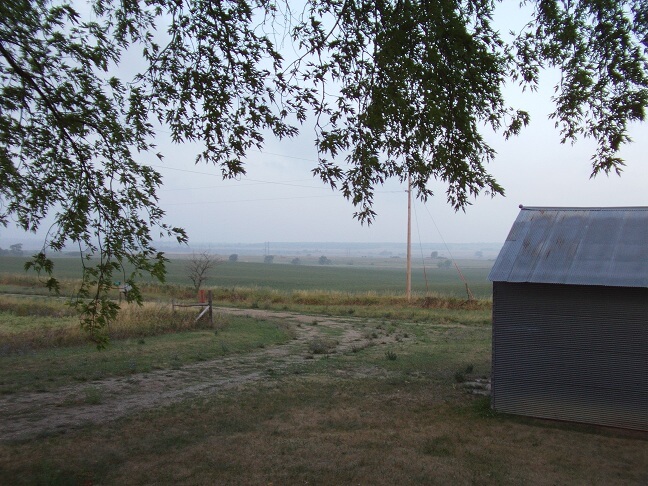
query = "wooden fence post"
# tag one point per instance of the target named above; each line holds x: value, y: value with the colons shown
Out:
x: 210, y: 300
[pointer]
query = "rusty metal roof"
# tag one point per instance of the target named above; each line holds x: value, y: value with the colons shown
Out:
x: 576, y: 246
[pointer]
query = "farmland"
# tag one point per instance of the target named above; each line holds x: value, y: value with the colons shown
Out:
x: 379, y: 275
x: 308, y: 374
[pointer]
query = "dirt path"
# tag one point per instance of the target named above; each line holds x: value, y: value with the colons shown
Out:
x: 26, y: 415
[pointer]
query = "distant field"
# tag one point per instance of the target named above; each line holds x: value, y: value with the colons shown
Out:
x: 358, y: 275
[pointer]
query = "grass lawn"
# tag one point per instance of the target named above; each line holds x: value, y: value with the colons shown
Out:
x: 390, y: 408
x: 52, y: 367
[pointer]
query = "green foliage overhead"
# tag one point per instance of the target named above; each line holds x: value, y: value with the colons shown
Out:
x: 395, y: 88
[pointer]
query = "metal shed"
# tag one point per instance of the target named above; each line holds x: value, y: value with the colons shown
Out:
x: 570, y: 316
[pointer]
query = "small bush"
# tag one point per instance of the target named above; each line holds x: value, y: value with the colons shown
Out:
x: 322, y: 346
x: 391, y: 356
x: 93, y: 395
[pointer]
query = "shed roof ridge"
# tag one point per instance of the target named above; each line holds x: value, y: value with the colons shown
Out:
x: 583, y: 208
x: 582, y: 246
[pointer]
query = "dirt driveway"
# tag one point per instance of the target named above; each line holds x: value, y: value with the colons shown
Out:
x: 27, y: 415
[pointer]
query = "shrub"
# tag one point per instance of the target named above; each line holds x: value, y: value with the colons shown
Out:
x: 322, y: 346
x: 391, y: 356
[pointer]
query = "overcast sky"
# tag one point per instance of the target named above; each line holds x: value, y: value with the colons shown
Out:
x: 279, y: 200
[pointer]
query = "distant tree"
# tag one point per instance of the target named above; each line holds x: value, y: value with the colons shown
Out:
x: 14, y: 250
x: 295, y: 261
x: 199, y: 266
x: 444, y: 263
x: 434, y: 254
x: 233, y: 258
x: 268, y: 259
x: 479, y: 254
x: 324, y: 260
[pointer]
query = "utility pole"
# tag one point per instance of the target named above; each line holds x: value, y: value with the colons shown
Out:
x: 408, y: 286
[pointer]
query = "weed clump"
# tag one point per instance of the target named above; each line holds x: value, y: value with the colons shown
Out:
x: 460, y: 376
x: 93, y: 395
x: 391, y: 356
x: 322, y: 345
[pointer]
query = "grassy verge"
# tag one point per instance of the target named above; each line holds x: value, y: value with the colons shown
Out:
x: 53, y: 367
x: 433, y: 309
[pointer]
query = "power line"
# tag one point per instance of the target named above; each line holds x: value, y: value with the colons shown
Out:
x: 260, y: 183
x: 251, y: 180
x: 285, y: 156
x: 159, y: 130
x: 192, y: 203
x: 249, y: 200
x: 461, y: 275
x: 418, y: 230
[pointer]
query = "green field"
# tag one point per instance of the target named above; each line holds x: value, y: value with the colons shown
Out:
x: 364, y: 275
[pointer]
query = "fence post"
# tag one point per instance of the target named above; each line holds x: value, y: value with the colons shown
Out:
x: 210, y: 299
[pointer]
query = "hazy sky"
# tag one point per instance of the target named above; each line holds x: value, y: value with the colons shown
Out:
x: 279, y: 200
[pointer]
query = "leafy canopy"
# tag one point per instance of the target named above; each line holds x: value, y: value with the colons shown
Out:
x: 395, y: 88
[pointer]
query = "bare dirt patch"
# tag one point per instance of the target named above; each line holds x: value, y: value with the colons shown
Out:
x: 27, y: 415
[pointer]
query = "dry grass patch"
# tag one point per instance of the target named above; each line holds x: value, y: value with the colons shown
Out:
x: 320, y: 430
x: 365, y: 304
x: 37, y: 323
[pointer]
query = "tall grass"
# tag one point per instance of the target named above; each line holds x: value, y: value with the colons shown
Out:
x: 248, y: 295
x: 35, y: 306
x: 33, y: 323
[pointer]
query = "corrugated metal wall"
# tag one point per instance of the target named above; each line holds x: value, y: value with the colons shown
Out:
x: 571, y: 352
